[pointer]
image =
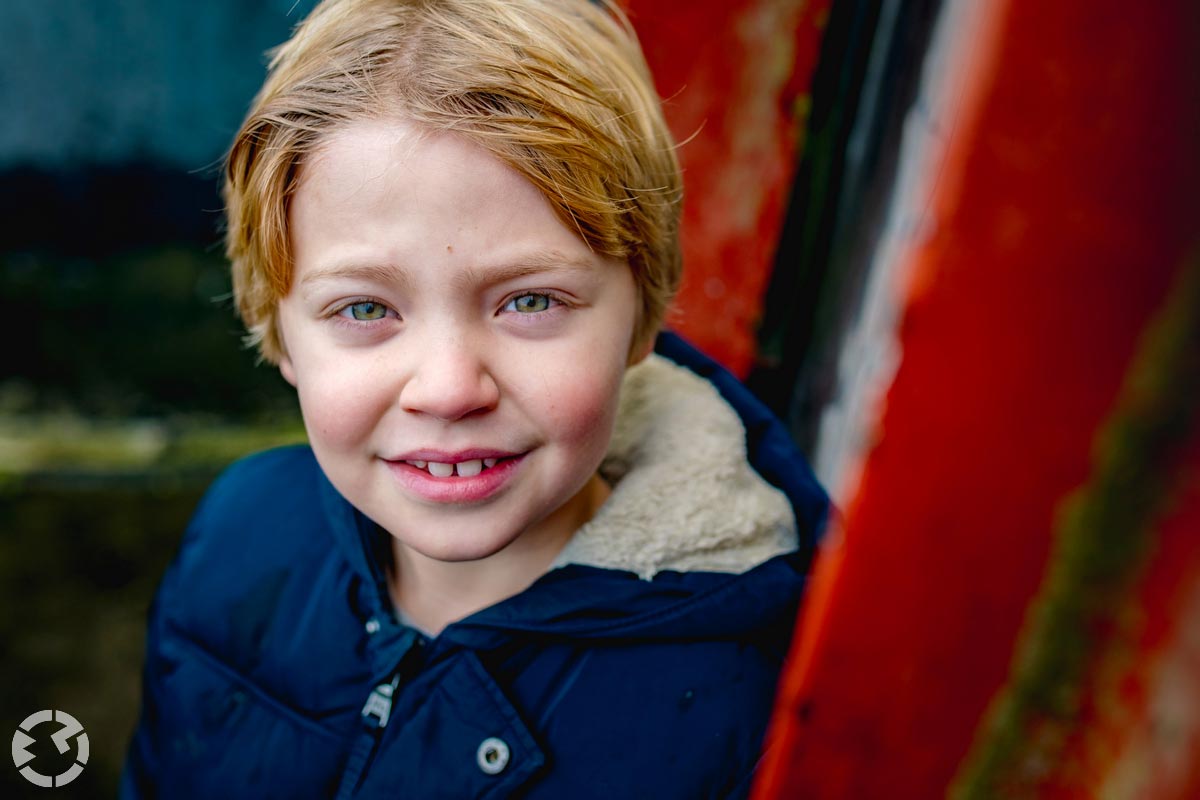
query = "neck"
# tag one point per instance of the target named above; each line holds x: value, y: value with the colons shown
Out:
x: 432, y: 593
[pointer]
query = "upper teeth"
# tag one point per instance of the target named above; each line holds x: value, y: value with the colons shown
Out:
x: 465, y: 469
x: 439, y: 470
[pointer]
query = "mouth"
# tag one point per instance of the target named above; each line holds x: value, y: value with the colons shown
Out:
x: 467, y: 468
x: 465, y: 477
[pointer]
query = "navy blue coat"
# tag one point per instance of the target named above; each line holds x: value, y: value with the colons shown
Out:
x: 276, y: 666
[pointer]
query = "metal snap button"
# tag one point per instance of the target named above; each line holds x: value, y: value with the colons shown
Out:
x: 492, y: 755
x: 372, y: 626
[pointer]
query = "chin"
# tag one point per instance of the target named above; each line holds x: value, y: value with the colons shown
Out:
x: 454, y: 548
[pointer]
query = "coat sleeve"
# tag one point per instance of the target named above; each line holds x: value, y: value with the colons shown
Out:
x: 141, y: 775
x: 141, y: 761
x: 144, y: 761
x: 254, y: 526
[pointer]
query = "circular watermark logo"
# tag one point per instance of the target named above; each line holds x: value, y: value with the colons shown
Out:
x: 69, y: 728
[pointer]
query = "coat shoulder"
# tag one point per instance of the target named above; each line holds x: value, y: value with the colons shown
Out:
x: 257, y: 552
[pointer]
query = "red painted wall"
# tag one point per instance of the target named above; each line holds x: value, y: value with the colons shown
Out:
x: 735, y: 76
x: 1063, y: 209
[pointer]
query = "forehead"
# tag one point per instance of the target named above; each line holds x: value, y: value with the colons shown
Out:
x: 396, y: 157
x: 384, y: 193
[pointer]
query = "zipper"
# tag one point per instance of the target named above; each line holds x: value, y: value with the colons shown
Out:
x: 376, y: 713
x: 378, y: 709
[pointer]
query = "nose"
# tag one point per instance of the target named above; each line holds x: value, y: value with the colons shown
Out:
x: 450, y: 380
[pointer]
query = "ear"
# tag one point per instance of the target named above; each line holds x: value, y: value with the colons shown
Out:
x: 640, y: 350
x: 287, y: 370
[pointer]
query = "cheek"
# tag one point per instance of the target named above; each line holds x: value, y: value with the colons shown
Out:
x: 582, y: 408
x: 339, y: 409
x: 341, y: 397
x: 330, y: 421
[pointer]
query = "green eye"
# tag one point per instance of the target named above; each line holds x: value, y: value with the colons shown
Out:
x: 531, y: 303
x: 365, y: 311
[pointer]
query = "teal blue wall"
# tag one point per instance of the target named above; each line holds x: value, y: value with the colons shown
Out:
x: 103, y: 82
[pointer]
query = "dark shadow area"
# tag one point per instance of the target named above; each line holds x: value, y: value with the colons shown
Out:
x: 124, y: 388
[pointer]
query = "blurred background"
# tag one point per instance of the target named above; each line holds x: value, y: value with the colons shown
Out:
x: 952, y: 243
x: 123, y: 383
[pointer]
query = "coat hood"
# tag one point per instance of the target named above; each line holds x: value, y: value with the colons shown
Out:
x: 684, y: 496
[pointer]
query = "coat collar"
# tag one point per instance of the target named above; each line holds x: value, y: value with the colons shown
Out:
x: 685, y: 498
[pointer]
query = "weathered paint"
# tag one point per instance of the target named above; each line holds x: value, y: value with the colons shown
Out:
x: 735, y: 77
x: 1058, y: 217
x: 1072, y: 694
x: 1142, y: 739
x: 1154, y: 713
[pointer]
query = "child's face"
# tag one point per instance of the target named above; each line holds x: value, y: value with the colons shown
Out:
x: 440, y: 312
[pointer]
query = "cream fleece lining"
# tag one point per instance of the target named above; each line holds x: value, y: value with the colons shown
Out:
x: 684, y: 496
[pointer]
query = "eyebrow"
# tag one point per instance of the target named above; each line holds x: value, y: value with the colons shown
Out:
x: 522, y: 266
x: 376, y: 273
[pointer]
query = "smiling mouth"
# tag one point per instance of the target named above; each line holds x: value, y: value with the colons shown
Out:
x: 461, y: 469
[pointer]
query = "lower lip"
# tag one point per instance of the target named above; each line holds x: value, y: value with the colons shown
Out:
x: 455, y: 489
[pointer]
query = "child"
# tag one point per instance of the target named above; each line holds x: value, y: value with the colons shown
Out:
x: 522, y: 555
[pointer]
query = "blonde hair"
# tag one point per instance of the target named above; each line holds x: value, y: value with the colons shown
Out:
x: 557, y: 89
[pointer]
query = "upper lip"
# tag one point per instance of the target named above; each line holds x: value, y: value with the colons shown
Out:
x: 456, y: 457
